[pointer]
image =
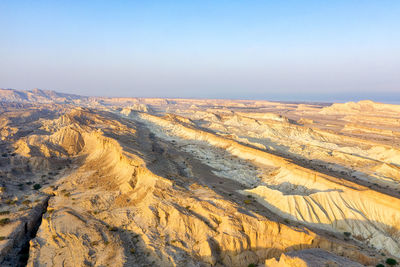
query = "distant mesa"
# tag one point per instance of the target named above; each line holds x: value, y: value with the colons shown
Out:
x: 364, y: 106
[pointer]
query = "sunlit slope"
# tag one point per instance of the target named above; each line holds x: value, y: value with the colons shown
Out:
x: 296, y: 192
x: 110, y: 209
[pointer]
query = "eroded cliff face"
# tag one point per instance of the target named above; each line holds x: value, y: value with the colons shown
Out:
x: 298, y: 193
x: 112, y: 204
x: 209, y: 184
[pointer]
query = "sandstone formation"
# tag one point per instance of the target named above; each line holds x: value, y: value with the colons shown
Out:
x: 171, y: 182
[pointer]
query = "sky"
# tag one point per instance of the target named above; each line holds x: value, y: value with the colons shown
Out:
x: 277, y: 50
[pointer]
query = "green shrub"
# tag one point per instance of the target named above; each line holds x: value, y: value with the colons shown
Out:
x: 251, y: 265
x: 2, y: 238
x: 380, y: 265
x: 4, y: 212
x: 10, y: 202
x: 347, y: 234
x: 391, y: 261
x: 4, y: 221
x: 37, y: 186
x: 112, y: 228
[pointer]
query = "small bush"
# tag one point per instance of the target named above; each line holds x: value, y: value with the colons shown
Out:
x: 247, y: 201
x: 37, y: 186
x: 67, y: 194
x: 26, y: 202
x: 10, y: 202
x: 112, y: 228
x: 2, y: 238
x: 347, y: 234
x: 251, y: 265
x: 4, y: 221
x: 391, y: 261
x: 4, y: 212
x: 380, y: 265
x: 94, y: 243
x: 132, y: 250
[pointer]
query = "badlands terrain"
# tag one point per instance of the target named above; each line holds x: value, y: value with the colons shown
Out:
x: 93, y: 181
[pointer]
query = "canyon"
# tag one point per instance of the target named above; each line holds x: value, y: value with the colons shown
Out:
x: 97, y: 181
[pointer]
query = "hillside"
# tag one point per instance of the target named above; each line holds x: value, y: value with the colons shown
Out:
x: 172, y: 182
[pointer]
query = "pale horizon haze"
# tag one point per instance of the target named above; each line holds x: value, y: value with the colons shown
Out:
x: 276, y: 50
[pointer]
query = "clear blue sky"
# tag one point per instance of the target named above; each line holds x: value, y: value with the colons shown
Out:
x: 289, y: 50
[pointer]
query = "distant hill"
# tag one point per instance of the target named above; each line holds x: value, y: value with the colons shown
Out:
x: 39, y: 96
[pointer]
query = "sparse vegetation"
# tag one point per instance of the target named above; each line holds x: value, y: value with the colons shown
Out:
x: 247, y: 201
x: 380, y: 265
x: 4, y: 212
x: 94, y: 243
x: 112, y: 228
x: 10, y: 202
x: 347, y: 234
x: 4, y: 221
x: 391, y: 261
x: 37, y: 186
x: 251, y: 265
x: 2, y: 238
